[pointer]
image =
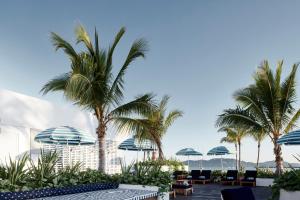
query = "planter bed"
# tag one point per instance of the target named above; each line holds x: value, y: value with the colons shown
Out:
x: 49, y: 192
x: 105, y: 191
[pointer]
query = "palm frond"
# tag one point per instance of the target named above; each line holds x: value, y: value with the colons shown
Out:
x: 83, y: 36
x: 59, y: 83
x: 138, y: 49
x: 172, y: 116
x: 142, y: 105
x: 60, y: 43
x: 238, y: 118
x: 292, y: 122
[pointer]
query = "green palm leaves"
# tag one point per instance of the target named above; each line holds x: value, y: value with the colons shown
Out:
x: 267, y: 105
x: 152, y: 125
x: 91, y: 83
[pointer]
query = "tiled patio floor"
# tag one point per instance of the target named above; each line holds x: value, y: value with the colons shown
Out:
x: 213, y: 192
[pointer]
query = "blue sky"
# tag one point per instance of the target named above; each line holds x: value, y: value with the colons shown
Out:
x: 200, y: 53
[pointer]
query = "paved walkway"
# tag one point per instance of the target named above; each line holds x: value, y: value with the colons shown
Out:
x: 213, y: 192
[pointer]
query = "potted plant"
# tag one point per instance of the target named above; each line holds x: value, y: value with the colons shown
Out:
x: 265, y: 177
x: 287, y: 186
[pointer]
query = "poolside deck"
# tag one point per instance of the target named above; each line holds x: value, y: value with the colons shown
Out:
x: 213, y: 192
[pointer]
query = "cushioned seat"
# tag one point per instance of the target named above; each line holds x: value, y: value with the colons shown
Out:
x: 231, y: 177
x: 205, y: 176
x: 249, y: 178
x: 243, y: 193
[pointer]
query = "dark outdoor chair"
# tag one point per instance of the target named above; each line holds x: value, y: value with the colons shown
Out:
x: 244, y: 193
x: 195, y: 174
x: 177, y: 174
x: 249, y: 178
x: 184, y: 189
x: 231, y: 177
x: 205, y: 176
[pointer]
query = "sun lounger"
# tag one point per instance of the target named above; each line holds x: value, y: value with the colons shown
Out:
x: 249, y: 178
x: 205, y: 176
x: 231, y: 177
x: 194, y: 177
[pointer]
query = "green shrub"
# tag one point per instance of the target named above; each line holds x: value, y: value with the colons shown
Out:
x: 145, y: 173
x: 16, y: 177
x: 217, y: 175
x: 265, y: 173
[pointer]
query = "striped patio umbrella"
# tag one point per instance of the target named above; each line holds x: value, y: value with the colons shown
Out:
x: 218, y: 151
x: 132, y: 144
x: 189, y: 152
x: 291, y: 138
x: 64, y: 135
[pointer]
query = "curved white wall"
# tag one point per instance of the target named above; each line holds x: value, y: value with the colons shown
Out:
x: 19, y: 114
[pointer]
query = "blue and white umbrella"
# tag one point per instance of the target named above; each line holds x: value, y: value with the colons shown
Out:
x: 291, y: 138
x: 189, y: 152
x: 132, y: 144
x: 219, y: 151
x: 64, y: 135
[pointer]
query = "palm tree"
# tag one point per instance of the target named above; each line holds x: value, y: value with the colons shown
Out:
x: 234, y: 135
x: 152, y: 125
x: 258, y: 136
x: 231, y: 138
x: 91, y: 84
x: 267, y: 105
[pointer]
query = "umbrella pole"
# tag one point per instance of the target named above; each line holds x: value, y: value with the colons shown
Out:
x: 221, y: 162
x: 188, y: 163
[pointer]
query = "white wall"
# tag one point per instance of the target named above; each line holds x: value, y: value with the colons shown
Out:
x: 20, y: 113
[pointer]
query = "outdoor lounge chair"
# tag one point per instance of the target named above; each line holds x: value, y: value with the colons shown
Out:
x: 195, y: 174
x: 184, y: 189
x: 249, y: 178
x: 178, y: 175
x: 244, y: 193
x: 231, y: 177
x: 205, y: 176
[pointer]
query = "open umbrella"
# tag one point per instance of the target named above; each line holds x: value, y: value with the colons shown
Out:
x: 131, y: 144
x: 219, y: 151
x: 65, y: 135
x: 188, y: 152
x: 291, y: 138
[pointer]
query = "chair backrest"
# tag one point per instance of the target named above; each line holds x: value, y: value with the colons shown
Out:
x: 206, y: 173
x: 232, y: 173
x: 244, y: 193
x: 195, y: 173
x: 251, y: 173
x: 176, y: 173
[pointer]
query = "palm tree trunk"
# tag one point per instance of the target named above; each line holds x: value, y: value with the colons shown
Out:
x: 258, y: 152
x: 101, y: 140
x: 278, y: 157
x: 160, y: 152
x: 239, y: 143
x: 236, y: 156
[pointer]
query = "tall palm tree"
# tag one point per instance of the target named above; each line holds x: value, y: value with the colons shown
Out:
x: 91, y: 83
x: 258, y: 136
x: 152, y: 125
x: 267, y: 105
x: 231, y: 138
x: 235, y: 135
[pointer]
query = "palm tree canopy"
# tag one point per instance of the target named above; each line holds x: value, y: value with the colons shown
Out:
x: 152, y: 125
x: 266, y: 105
x: 90, y: 82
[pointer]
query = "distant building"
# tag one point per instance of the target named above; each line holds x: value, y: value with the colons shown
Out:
x: 22, y: 117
